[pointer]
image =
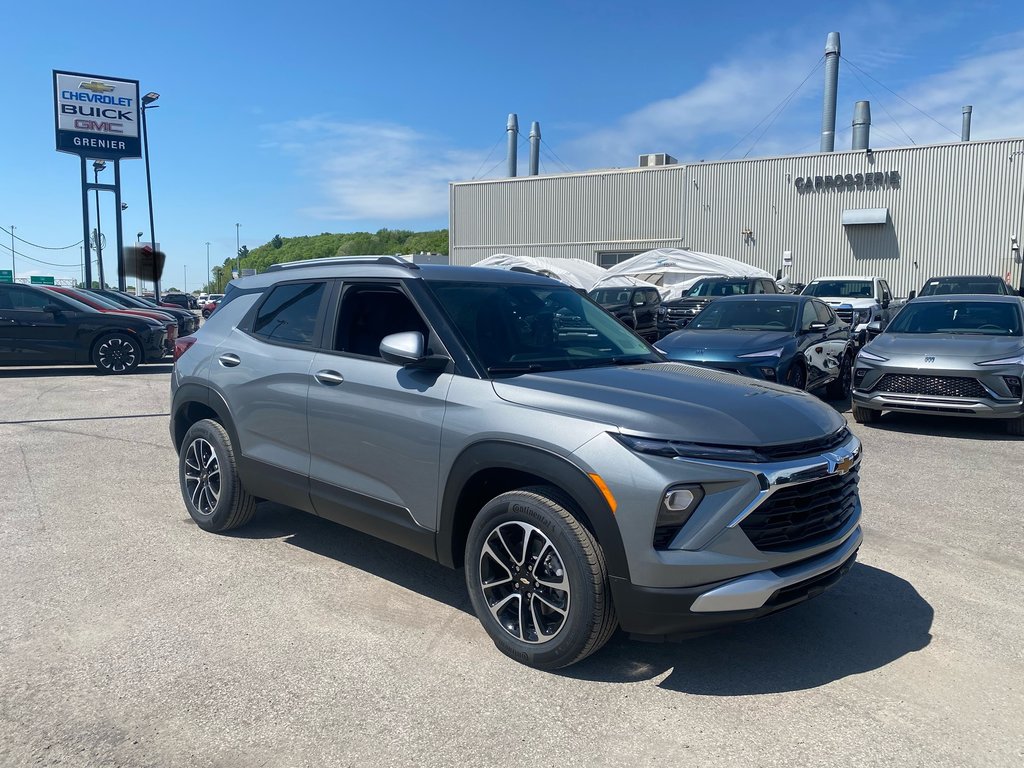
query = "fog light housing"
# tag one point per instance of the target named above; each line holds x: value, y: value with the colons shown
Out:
x: 1013, y: 384
x: 859, y: 374
x: 677, y: 506
x: 768, y: 373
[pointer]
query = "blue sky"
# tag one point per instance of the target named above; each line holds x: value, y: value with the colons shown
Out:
x: 307, y: 117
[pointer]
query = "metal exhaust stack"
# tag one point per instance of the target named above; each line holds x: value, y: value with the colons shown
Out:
x: 828, y: 111
x: 965, y: 127
x: 534, y: 148
x: 513, y: 143
x: 861, y: 125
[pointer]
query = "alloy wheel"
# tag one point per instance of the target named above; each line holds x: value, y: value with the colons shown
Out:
x: 524, y: 583
x: 117, y: 354
x: 202, y: 476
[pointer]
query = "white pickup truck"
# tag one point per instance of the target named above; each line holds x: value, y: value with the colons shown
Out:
x: 857, y: 300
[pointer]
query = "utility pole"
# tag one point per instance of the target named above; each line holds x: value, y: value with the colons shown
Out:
x: 207, y: 268
x: 238, y: 250
x: 13, y: 272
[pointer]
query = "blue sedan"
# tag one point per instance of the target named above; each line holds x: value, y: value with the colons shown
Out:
x: 794, y: 340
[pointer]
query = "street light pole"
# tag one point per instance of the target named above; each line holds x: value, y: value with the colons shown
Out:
x: 184, y: 288
x: 238, y: 252
x: 207, y: 268
x: 138, y: 279
x: 14, y: 274
x: 147, y: 102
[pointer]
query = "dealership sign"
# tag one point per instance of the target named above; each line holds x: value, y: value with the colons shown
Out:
x: 849, y: 181
x: 96, y: 117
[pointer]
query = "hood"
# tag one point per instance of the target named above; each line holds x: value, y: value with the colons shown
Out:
x: 944, y: 345
x: 678, y: 401
x: 694, y: 341
x: 853, y: 303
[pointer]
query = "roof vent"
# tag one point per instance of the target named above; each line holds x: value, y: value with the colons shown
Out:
x: 658, y: 158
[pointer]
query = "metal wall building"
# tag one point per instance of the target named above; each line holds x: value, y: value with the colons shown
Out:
x: 905, y: 214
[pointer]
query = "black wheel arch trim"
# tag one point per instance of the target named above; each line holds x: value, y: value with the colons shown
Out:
x: 550, y: 467
x: 186, y: 394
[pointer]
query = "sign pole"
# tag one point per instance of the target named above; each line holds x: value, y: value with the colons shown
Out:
x: 85, y: 221
x: 121, y: 283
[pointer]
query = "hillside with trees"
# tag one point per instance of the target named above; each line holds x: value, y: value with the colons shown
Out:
x: 281, y: 249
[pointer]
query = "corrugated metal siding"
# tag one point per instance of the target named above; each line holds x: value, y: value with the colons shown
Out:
x: 954, y: 212
x: 572, y: 215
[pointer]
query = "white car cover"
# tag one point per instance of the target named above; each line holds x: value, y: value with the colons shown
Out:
x: 674, y: 270
x: 575, y: 272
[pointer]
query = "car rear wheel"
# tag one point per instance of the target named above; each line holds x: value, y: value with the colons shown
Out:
x: 865, y: 415
x: 117, y: 353
x: 208, y: 476
x: 537, y: 579
x: 840, y: 388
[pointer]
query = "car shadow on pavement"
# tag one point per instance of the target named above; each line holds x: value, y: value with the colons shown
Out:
x: 943, y: 426
x: 359, y: 550
x: 868, y: 620
x: 80, y: 370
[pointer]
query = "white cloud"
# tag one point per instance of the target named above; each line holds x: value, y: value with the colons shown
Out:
x: 376, y: 171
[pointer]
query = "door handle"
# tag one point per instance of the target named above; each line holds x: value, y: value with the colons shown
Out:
x: 229, y: 360
x: 329, y: 378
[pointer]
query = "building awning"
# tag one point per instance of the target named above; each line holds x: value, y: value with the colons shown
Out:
x: 865, y: 216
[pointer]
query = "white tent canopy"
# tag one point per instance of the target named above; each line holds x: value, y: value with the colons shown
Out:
x: 575, y: 272
x: 674, y: 270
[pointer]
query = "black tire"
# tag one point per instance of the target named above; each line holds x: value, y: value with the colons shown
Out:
x: 796, y: 376
x: 865, y: 415
x: 589, y: 618
x: 225, y: 504
x: 840, y: 388
x: 116, y: 353
x: 1015, y: 426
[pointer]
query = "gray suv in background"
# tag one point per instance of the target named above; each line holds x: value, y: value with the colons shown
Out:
x: 582, y: 481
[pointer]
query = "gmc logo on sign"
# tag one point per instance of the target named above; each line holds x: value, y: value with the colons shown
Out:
x: 92, y: 125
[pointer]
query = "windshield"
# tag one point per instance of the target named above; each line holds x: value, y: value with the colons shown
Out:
x: 514, y: 329
x: 95, y: 298
x: 747, y: 316
x: 985, y: 318
x: 845, y: 289
x: 719, y: 288
x: 992, y: 285
x: 610, y: 296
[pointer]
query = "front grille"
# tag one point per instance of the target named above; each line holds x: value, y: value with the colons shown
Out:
x: 937, y: 386
x: 806, y: 448
x: 796, y: 516
x: 846, y: 315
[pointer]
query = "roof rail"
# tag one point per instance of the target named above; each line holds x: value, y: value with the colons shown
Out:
x: 396, y: 261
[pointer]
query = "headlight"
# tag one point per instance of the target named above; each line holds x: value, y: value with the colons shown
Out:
x: 674, y: 449
x: 767, y: 353
x: 1017, y: 359
x: 865, y: 355
x: 861, y: 316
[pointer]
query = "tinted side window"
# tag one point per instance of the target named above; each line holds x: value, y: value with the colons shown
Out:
x: 886, y: 293
x: 824, y: 313
x: 31, y: 300
x: 289, y: 314
x: 809, y: 316
x: 769, y: 286
x: 653, y: 297
x: 371, y: 312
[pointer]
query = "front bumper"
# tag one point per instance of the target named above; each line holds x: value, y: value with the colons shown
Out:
x: 658, y: 612
x: 977, y: 408
x: 763, y: 368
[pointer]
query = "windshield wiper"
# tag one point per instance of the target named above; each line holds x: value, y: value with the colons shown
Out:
x: 605, y: 361
x: 495, y: 370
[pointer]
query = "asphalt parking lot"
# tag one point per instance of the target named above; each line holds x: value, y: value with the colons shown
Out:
x: 128, y: 637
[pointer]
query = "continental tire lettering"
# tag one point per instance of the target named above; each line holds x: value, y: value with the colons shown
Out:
x: 521, y: 509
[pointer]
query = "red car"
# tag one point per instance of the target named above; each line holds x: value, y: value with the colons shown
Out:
x: 102, y: 305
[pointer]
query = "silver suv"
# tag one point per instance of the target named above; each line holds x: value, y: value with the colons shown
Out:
x: 506, y: 423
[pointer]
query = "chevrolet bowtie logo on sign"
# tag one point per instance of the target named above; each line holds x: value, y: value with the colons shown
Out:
x: 96, y: 87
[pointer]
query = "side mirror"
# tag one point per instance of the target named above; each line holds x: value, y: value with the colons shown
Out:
x: 408, y: 349
x: 53, y: 309
x: 913, y: 295
x: 885, y: 303
x: 817, y: 327
x: 874, y: 328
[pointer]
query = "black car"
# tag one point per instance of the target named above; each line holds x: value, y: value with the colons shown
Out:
x: 677, y: 313
x: 40, y: 327
x: 187, y: 321
x: 795, y: 340
x: 636, y: 307
x: 182, y: 300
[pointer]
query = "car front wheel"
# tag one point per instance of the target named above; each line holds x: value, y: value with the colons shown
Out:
x: 117, y: 353
x: 537, y: 579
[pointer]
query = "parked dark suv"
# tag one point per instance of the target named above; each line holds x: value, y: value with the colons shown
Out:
x: 583, y: 481
x: 678, y: 313
x: 41, y: 327
x: 636, y: 307
x: 972, y: 284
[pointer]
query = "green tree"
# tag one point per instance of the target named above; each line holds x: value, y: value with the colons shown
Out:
x: 276, y: 242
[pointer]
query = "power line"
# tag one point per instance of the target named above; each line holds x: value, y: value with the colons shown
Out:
x: 890, y: 90
x: 44, y: 247
x: 882, y: 105
x: 781, y: 105
x: 7, y: 248
x: 548, y: 147
x: 475, y: 175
